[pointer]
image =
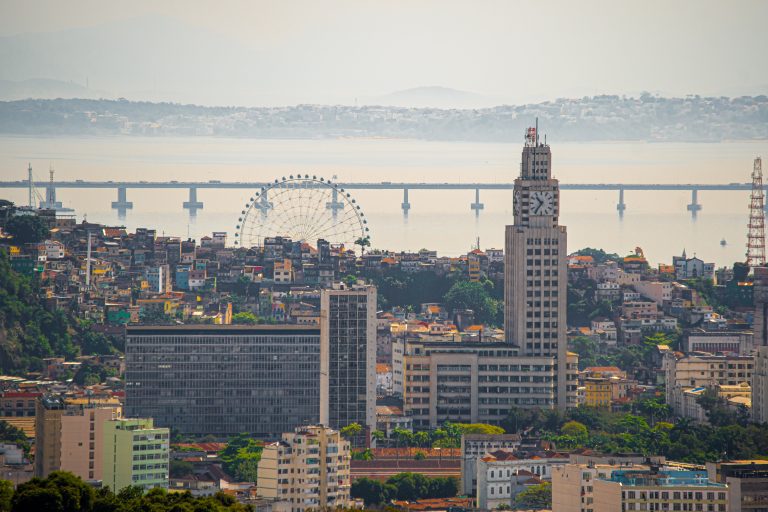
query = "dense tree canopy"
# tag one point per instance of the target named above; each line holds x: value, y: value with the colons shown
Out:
x: 28, y: 331
x: 27, y: 229
x: 241, y: 457
x: 477, y: 297
x: 64, y: 492
x: 647, y: 430
x: 403, y: 486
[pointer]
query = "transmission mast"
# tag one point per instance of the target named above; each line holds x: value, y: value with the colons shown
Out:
x: 31, y: 185
x: 756, y: 231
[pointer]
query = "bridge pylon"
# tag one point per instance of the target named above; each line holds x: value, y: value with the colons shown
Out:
x: 193, y: 204
x: 477, y: 205
x: 122, y: 205
x: 621, y: 206
x: 405, y: 205
x: 694, y: 207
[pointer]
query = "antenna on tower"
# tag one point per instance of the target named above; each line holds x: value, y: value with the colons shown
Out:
x: 537, y: 131
x: 756, y: 227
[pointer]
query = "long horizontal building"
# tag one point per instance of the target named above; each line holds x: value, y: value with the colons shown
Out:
x: 260, y: 379
x: 222, y: 380
x: 478, y: 382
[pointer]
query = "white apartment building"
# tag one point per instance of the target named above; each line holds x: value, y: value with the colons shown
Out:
x: 475, y: 446
x: 54, y: 250
x: 497, y: 472
x: 307, y: 470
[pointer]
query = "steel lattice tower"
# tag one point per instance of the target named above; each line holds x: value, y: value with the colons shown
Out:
x: 756, y: 231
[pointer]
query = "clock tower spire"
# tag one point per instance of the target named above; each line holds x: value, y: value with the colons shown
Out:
x: 535, y: 271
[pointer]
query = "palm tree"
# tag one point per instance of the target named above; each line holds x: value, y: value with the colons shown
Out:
x: 363, y: 242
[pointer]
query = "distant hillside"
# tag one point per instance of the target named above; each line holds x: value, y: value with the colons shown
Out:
x: 43, y: 88
x: 647, y: 118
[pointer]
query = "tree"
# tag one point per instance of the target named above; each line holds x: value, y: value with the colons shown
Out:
x: 740, y: 271
x: 372, y: 492
x: 474, y: 296
x: 6, y: 495
x: 245, y: 318
x: 351, y: 431
x: 378, y: 436
x: 60, y: 492
x: 363, y: 242
x: 575, y: 430
x: 241, y: 457
x: 27, y: 229
x: 180, y: 468
x: 535, y: 496
x: 479, y: 428
x: 13, y: 435
x: 366, y: 454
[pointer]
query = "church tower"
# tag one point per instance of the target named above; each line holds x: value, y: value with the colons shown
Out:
x: 535, y: 270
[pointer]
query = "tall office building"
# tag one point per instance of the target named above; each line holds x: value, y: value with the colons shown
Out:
x: 223, y: 380
x: 263, y: 379
x: 535, y: 272
x: 348, y: 356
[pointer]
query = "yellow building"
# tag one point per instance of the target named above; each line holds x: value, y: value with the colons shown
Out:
x: 597, y: 392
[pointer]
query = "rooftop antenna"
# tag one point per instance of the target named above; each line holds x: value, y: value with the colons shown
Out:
x: 537, y: 131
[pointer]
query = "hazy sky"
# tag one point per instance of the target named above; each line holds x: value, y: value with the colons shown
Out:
x: 258, y: 52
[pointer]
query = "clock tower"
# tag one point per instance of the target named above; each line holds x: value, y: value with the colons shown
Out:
x: 535, y: 271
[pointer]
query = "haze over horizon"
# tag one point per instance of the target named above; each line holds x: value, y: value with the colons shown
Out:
x: 454, y: 54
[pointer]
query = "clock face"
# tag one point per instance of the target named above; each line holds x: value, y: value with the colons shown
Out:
x: 542, y: 203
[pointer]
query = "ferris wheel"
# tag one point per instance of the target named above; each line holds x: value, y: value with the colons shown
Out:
x: 304, y: 209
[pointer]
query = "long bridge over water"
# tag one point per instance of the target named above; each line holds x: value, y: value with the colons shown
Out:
x: 122, y: 204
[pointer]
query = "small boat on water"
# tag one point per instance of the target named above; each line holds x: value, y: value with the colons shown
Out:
x: 723, y: 242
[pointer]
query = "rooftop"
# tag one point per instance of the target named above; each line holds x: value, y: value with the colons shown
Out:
x: 663, y: 479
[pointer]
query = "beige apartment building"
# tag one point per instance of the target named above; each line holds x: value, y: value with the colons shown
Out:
x: 307, y: 469
x: 701, y: 371
x: 760, y: 386
x: 478, y: 382
x: 70, y: 435
x: 573, y: 483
